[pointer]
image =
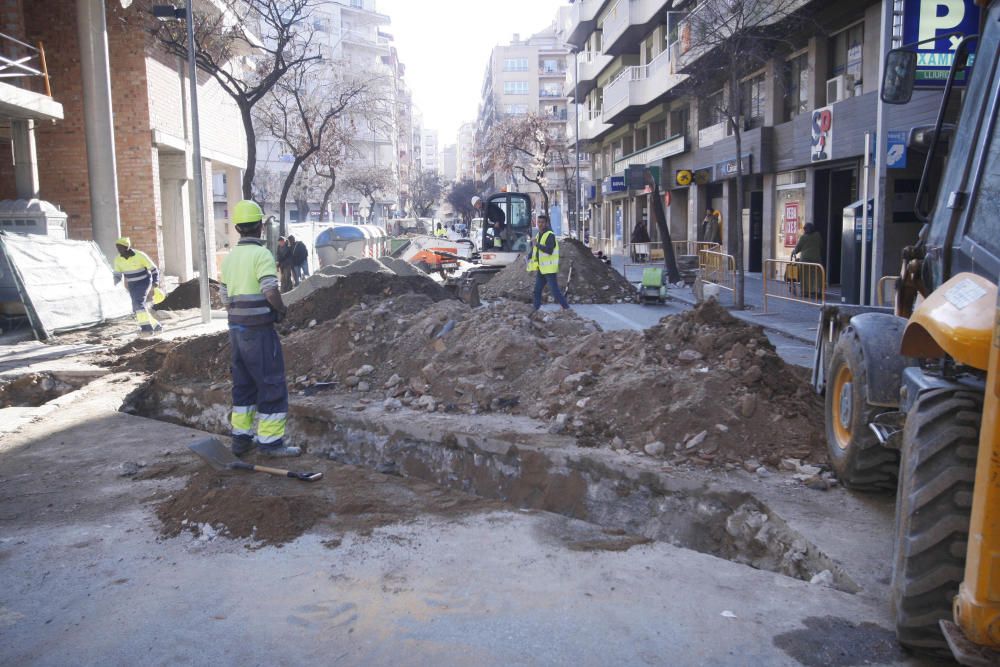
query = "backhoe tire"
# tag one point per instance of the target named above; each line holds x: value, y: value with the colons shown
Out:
x: 933, y: 504
x: 860, y: 461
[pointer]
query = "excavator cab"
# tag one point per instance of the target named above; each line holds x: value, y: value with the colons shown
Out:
x: 503, y: 240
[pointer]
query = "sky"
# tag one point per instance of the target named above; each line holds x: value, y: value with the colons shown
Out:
x: 445, y: 45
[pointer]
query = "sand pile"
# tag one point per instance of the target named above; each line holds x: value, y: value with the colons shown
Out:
x: 328, y: 276
x: 582, y: 276
x: 188, y: 295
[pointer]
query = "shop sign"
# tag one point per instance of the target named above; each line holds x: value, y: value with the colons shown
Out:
x: 896, y: 149
x: 727, y: 169
x: 635, y: 177
x: 821, y: 146
x: 613, y: 184
x: 590, y: 192
x: 790, y: 224
x: 684, y: 177
x: 927, y: 19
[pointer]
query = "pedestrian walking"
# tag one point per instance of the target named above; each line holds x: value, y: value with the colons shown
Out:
x: 640, y: 236
x: 250, y: 293
x: 141, y: 278
x: 711, y: 230
x: 300, y: 260
x: 545, y: 260
x: 808, y: 250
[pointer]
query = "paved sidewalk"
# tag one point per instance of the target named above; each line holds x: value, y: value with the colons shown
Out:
x: 795, y: 320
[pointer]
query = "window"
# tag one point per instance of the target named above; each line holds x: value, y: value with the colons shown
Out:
x: 711, y: 111
x: 846, y: 49
x: 550, y: 90
x: 754, y: 99
x: 985, y: 207
x: 358, y: 3
x: 796, y: 83
x: 679, y: 119
x: 516, y: 109
x: 515, y: 87
x: 657, y: 131
x: 515, y: 65
x: 551, y: 66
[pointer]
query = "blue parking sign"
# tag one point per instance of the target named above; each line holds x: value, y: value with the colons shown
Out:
x: 896, y: 149
x: 927, y: 19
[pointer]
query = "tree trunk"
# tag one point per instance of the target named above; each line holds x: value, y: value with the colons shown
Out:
x: 327, y: 195
x: 285, y: 187
x: 736, y: 224
x: 669, y: 258
x: 248, y: 174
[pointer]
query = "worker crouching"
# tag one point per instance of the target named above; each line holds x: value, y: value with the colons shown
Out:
x: 141, y: 277
x: 250, y: 293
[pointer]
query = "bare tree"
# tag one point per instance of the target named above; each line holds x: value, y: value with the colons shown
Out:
x: 301, y: 110
x: 527, y: 145
x: 460, y: 198
x: 369, y: 181
x: 246, y: 56
x: 722, y: 41
x: 337, y: 148
x: 426, y: 187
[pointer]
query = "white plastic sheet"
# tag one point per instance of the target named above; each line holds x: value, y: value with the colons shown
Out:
x: 64, y: 284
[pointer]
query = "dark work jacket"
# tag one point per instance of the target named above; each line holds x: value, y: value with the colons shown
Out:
x: 495, y: 214
x: 283, y: 255
x: 299, y: 253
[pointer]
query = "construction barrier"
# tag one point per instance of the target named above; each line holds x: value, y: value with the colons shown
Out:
x: 651, y: 251
x: 717, y: 268
x: 801, y: 282
x: 885, y: 292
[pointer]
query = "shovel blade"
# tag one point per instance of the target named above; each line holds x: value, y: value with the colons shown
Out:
x: 214, y: 452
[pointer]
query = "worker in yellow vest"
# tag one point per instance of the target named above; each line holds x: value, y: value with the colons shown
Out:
x: 250, y: 293
x: 545, y: 260
x: 440, y: 231
x: 141, y: 278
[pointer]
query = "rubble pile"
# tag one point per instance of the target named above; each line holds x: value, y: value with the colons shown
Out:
x: 188, y: 295
x: 582, y: 276
x: 328, y: 276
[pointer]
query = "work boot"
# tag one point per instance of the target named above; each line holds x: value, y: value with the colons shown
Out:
x: 279, y: 452
x: 242, y: 446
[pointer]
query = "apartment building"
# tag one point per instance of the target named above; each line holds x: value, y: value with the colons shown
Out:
x: 430, y: 155
x: 808, y: 109
x: 352, y: 34
x: 527, y: 76
x: 467, y: 152
x: 449, y: 162
x: 127, y: 170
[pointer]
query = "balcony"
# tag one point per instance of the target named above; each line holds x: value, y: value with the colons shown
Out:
x: 592, y: 125
x: 639, y: 86
x: 628, y: 21
x: 577, y: 21
x: 658, y: 151
x: 557, y: 72
x: 591, y: 64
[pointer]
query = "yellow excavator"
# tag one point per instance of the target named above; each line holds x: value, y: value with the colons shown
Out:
x: 912, y: 394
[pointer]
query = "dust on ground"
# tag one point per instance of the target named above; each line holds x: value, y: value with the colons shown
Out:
x: 272, y: 511
x: 582, y: 276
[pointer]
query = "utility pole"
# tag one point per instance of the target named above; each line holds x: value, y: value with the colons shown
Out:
x: 199, y: 181
x: 576, y: 149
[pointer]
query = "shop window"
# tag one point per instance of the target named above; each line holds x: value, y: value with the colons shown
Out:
x: 753, y: 100
x: 846, y: 51
x: 796, y: 85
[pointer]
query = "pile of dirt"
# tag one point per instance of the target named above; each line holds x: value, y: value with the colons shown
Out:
x: 582, y: 276
x: 188, y: 295
x: 272, y: 510
x: 326, y: 304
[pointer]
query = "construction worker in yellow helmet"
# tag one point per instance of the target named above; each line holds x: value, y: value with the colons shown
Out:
x: 250, y: 293
x: 141, y: 278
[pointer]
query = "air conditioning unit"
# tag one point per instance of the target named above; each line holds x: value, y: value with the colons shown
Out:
x: 839, y: 88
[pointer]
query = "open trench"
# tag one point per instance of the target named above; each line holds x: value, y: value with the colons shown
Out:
x: 514, y: 459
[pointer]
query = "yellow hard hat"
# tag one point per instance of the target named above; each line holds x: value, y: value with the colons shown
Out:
x: 124, y: 241
x: 247, y: 212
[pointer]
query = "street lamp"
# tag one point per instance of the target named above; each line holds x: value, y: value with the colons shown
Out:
x: 172, y: 13
x: 576, y: 141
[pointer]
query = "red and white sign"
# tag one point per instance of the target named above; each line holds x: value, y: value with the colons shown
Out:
x: 666, y: 198
x: 790, y: 227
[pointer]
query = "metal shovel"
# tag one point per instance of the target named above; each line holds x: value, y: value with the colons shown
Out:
x: 219, y: 457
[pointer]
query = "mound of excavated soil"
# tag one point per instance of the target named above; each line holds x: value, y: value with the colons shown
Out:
x: 582, y: 276
x: 188, y: 295
x: 326, y: 304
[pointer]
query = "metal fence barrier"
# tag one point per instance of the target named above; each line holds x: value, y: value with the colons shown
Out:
x: 885, y: 292
x: 717, y: 268
x: 653, y: 251
x: 801, y: 282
